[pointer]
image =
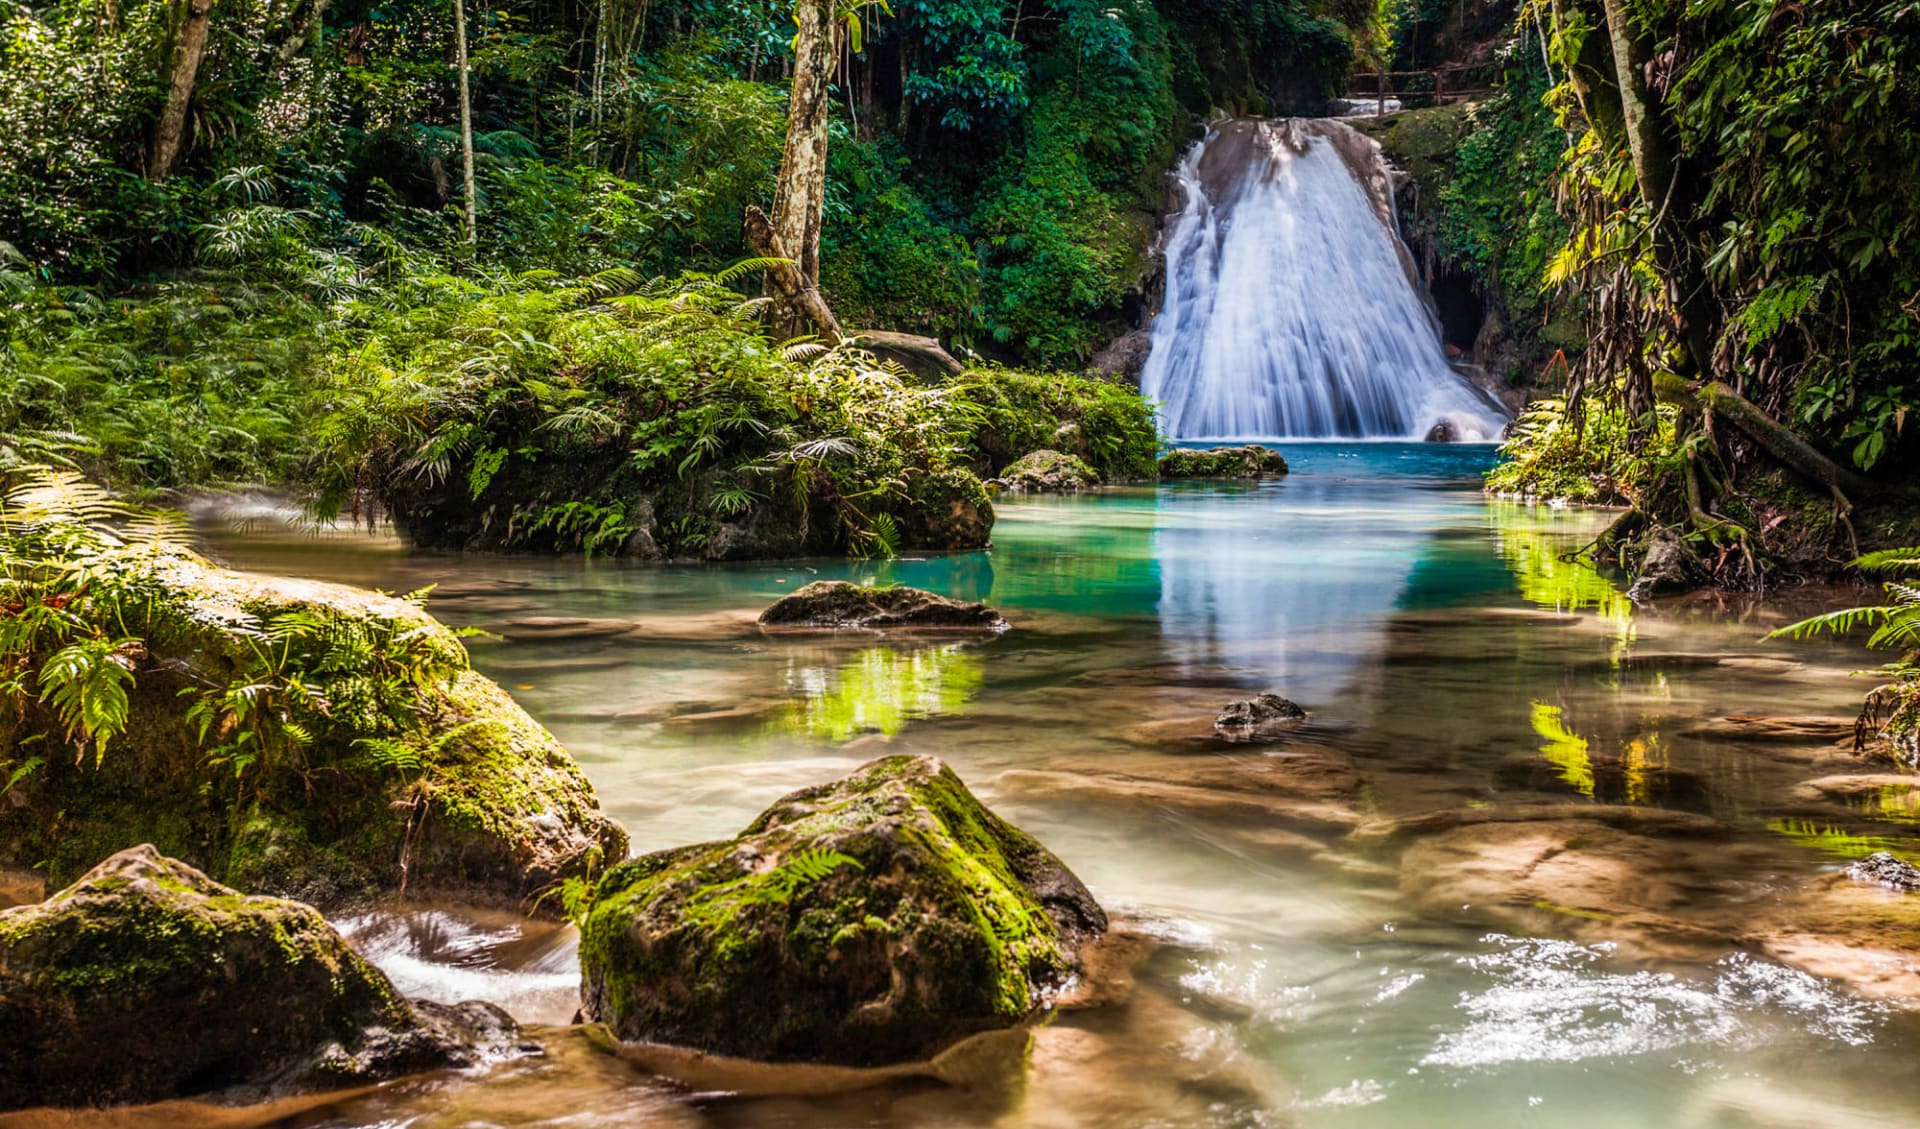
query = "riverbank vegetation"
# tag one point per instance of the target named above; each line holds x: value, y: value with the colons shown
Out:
x: 1732, y: 234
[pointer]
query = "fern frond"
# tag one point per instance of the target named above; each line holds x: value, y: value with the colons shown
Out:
x: 1890, y: 560
x: 1836, y: 623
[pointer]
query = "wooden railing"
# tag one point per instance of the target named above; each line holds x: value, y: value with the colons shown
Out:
x: 1436, y: 86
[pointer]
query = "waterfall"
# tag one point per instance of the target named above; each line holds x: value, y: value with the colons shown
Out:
x: 1291, y: 310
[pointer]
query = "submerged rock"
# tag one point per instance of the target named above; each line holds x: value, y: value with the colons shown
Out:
x: 148, y: 980
x: 876, y: 919
x: 837, y: 604
x: 1048, y: 472
x: 1887, y: 870
x: 1258, y: 719
x: 1250, y: 461
x: 369, y: 756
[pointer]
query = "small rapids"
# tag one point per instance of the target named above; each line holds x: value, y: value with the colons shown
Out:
x: 1290, y: 310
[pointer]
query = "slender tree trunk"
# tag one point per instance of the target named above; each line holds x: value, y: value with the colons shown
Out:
x: 466, y: 117
x: 799, y: 203
x: 188, y: 50
x: 1663, y: 187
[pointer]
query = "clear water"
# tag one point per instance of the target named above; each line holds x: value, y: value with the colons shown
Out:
x: 1289, y: 309
x: 1314, y: 968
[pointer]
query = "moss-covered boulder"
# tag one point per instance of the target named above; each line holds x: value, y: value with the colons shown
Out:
x: 1048, y: 472
x: 148, y: 980
x: 1250, y: 461
x: 836, y: 605
x: 872, y: 920
x: 946, y: 511
x: 286, y: 736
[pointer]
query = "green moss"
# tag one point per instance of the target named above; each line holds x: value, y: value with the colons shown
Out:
x: 866, y: 921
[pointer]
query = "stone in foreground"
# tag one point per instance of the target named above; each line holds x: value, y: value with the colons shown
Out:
x: 1048, y: 472
x: 874, y: 920
x: 1258, y: 719
x: 1250, y: 461
x: 480, y: 802
x: 147, y: 980
x: 836, y: 605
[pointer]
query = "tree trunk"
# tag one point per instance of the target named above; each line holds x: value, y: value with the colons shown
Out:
x: 802, y: 308
x: 466, y: 117
x: 1666, y: 192
x: 188, y: 51
x: 799, y: 203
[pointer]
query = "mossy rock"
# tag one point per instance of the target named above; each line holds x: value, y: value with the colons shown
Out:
x: 1250, y: 461
x: 873, y: 920
x: 836, y: 605
x: 148, y: 980
x: 945, y: 511
x: 1423, y: 142
x: 475, y: 799
x: 1048, y: 472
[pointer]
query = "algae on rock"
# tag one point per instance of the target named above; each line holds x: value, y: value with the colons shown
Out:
x: 147, y: 980
x: 875, y: 919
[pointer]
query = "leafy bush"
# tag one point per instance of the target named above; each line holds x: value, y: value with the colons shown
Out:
x: 1102, y: 421
x: 530, y: 412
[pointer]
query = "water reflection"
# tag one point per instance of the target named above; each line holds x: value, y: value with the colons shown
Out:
x: 879, y: 690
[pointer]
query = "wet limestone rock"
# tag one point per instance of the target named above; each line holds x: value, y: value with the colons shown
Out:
x: 147, y: 980
x: 406, y: 767
x: 1250, y: 461
x: 837, y: 605
x: 1048, y: 472
x: 873, y: 920
x: 1264, y: 718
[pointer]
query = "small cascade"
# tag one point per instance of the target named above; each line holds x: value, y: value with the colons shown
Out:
x: 1291, y: 308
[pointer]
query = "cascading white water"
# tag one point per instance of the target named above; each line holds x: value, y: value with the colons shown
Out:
x: 1290, y: 310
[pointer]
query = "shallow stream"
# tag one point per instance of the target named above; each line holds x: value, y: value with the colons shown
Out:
x: 1514, y: 871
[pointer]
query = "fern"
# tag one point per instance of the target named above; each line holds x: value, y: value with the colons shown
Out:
x: 86, y: 684
x: 804, y: 869
x: 1842, y: 622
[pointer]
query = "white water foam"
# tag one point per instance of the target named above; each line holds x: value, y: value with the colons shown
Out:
x: 1553, y: 1001
x: 1289, y: 313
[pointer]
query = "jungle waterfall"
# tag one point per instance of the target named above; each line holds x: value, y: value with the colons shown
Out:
x: 1290, y: 308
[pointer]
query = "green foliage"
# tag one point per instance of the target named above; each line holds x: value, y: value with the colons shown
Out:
x: 1592, y: 457
x: 1496, y: 213
x: 88, y: 586
x: 1807, y: 120
x: 536, y: 412
x: 1102, y: 421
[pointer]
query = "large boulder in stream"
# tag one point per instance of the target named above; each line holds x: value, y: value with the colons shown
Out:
x: 147, y: 980
x: 835, y: 605
x: 289, y: 737
x: 1250, y: 461
x: 873, y: 920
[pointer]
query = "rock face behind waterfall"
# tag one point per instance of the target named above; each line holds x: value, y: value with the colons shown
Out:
x: 1291, y: 308
x: 873, y: 920
x: 148, y: 980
